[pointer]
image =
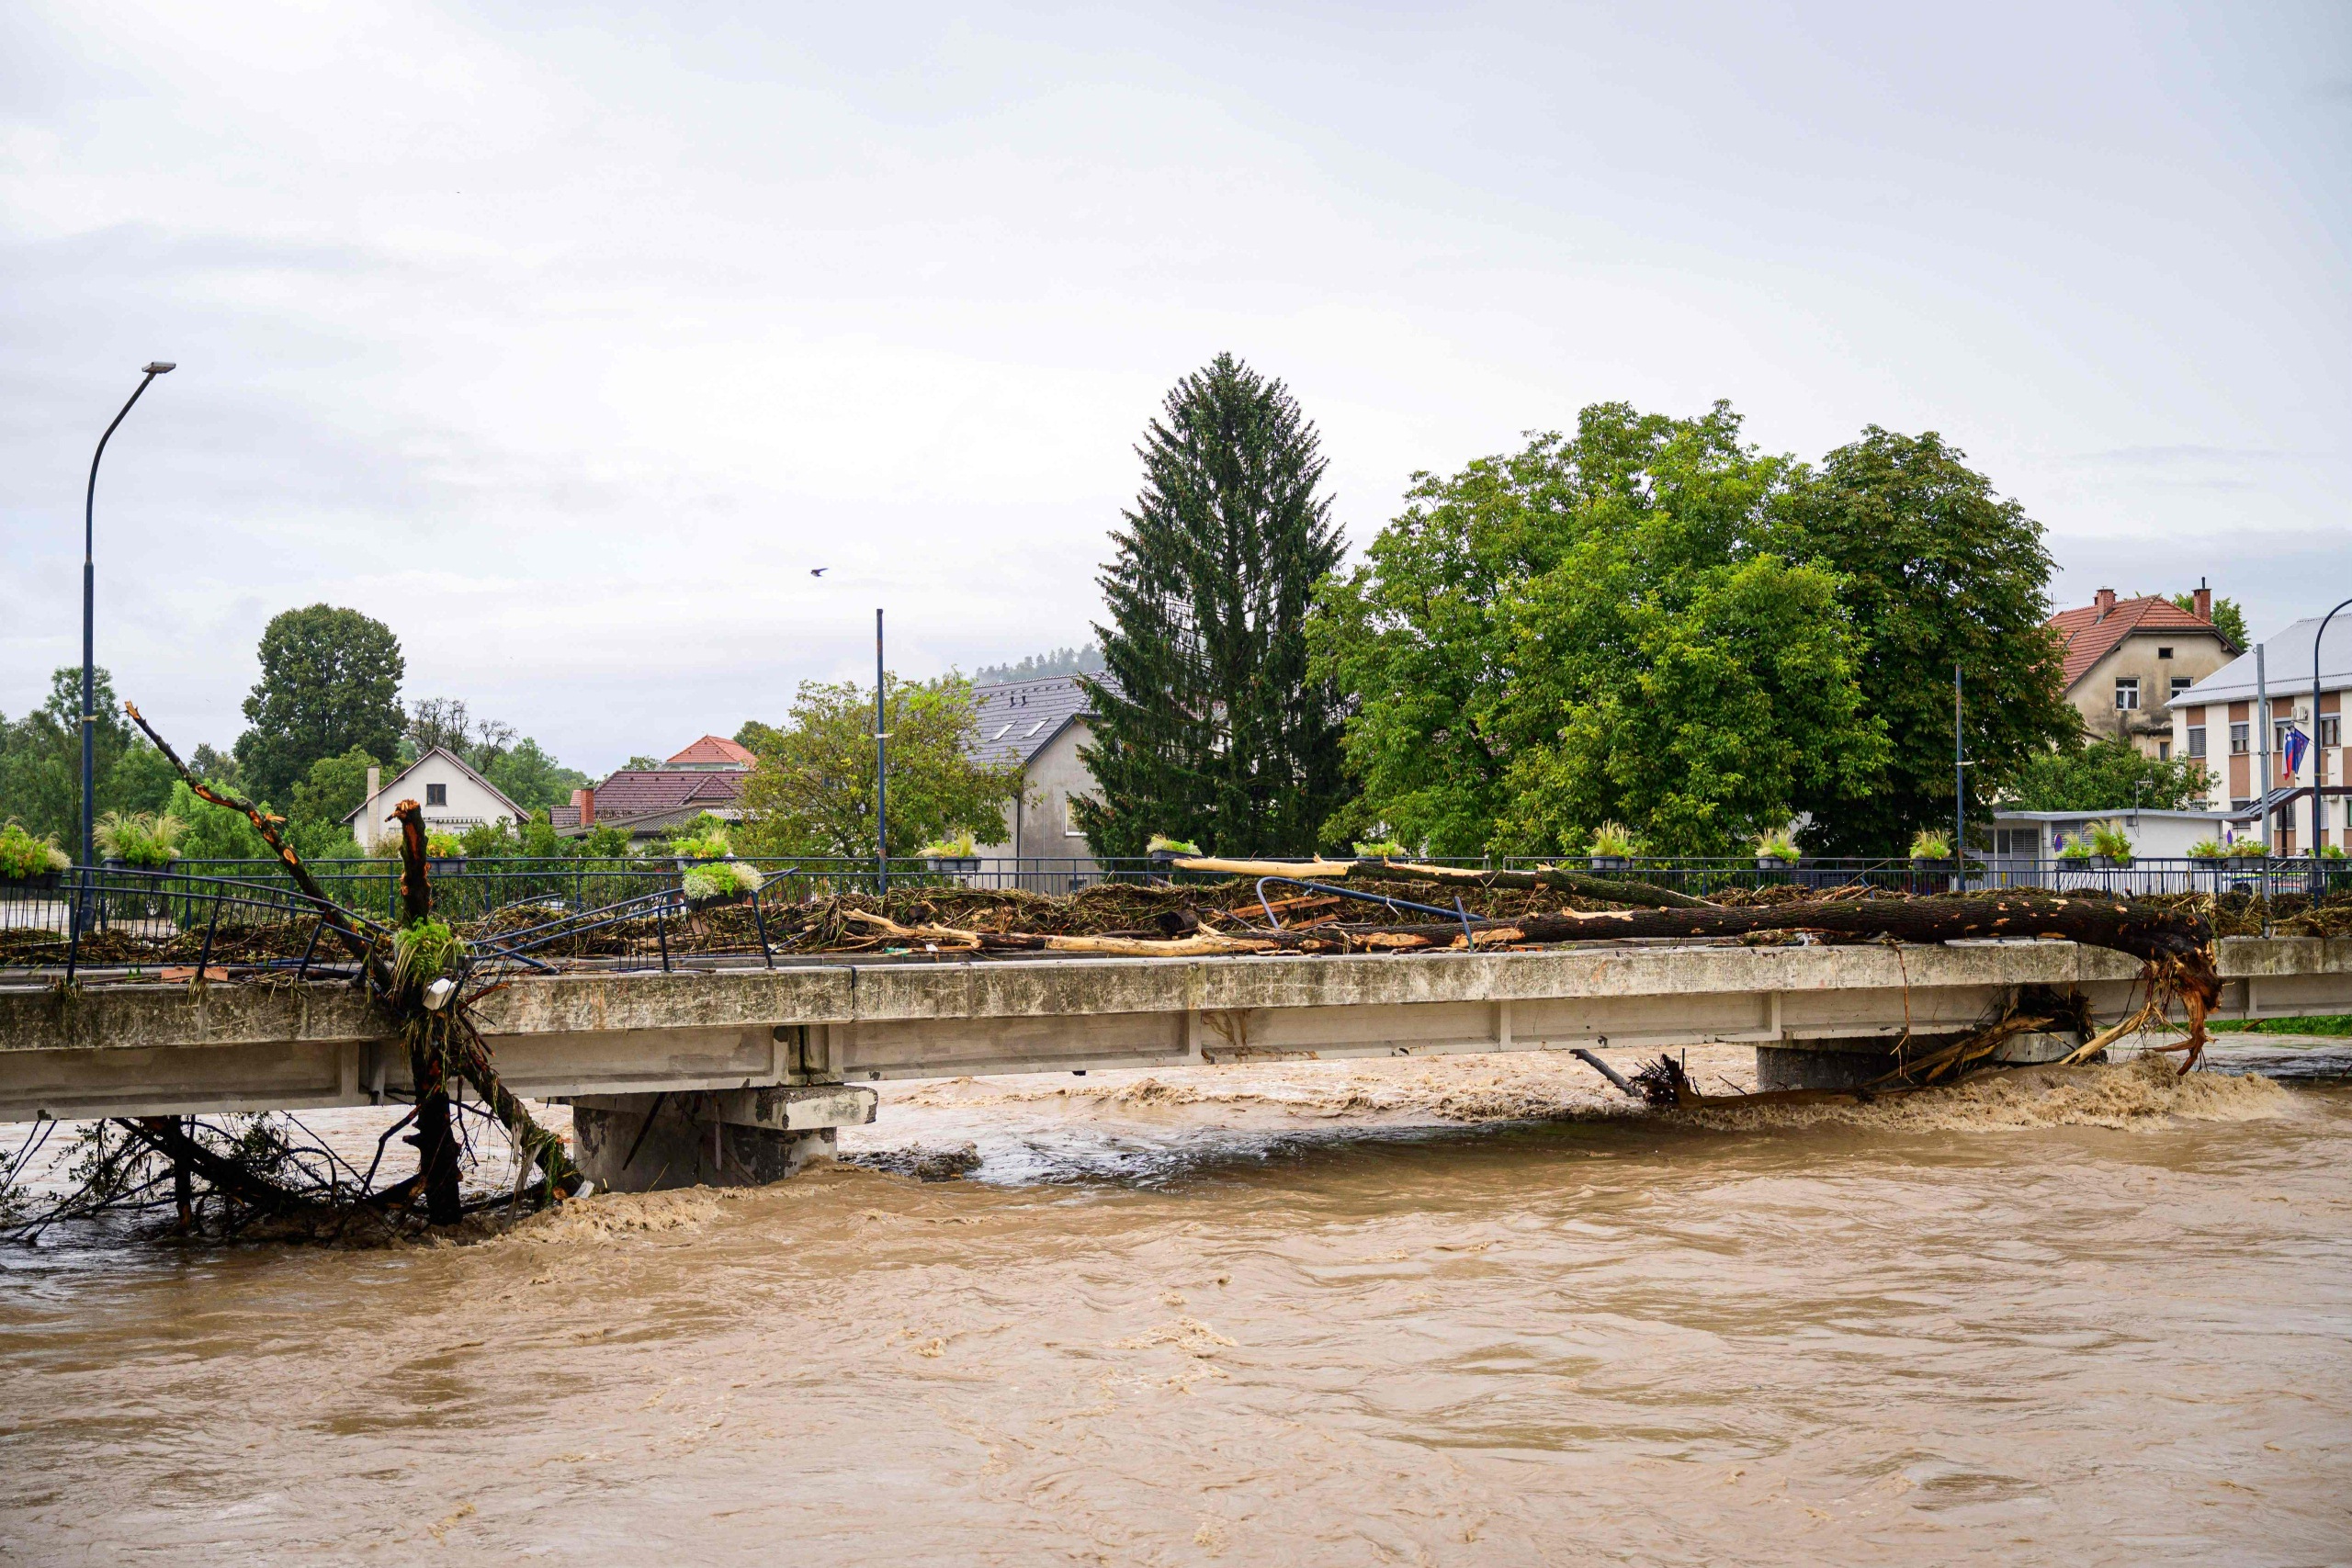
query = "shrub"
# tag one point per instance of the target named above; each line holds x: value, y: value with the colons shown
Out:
x: 1776, y: 845
x: 140, y: 838
x: 1615, y: 839
x: 23, y: 856
x: 2110, y: 840
x: 1932, y: 843
x: 440, y: 845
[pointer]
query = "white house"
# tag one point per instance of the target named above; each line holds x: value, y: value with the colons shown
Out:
x: 2026, y: 841
x: 1038, y: 726
x: 454, y: 796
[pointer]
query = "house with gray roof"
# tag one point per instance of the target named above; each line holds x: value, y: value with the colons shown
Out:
x: 1038, y: 726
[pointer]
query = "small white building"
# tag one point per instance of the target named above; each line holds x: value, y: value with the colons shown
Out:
x: 2029, y: 842
x: 1038, y: 726
x: 453, y: 795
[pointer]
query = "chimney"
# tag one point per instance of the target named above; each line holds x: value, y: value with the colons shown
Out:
x: 367, y: 823
x: 2203, y: 601
x: 586, y: 800
x: 2105, y: 599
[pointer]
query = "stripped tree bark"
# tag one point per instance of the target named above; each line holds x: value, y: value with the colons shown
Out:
x: 1558, y: 879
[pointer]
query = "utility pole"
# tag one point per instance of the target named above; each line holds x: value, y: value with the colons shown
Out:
x: 881, y: 773
x: 2319, y: 754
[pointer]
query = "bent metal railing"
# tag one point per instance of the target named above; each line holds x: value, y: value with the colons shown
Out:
x: 518, y: 912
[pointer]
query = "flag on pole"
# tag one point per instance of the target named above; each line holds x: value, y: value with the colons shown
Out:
x: 2294, y: 746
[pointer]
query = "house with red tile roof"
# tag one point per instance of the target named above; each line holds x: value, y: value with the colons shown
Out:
x: 651, y: 802
x: 2126, y: 660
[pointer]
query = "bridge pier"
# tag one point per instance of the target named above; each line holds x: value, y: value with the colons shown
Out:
x: 739, y: 1137
x: 1854, y: 1062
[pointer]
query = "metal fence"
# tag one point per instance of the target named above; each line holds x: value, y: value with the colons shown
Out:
x: 192, y: 907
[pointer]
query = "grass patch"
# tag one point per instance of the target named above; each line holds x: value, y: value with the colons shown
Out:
x: 2327, y: 1023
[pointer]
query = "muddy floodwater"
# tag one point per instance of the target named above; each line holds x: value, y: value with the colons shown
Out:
x: 1430, y: 1312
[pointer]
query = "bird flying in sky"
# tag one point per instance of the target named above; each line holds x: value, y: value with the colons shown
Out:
x: 819, y: 570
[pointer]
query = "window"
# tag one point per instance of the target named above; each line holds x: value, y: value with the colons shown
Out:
x: 2164, y: 750
x: 2330, y: 729
x: 2197, y: 740
x: 2127, y: 693
x: 2240, y: 738
x: 436, y: 794
x: 2180, y: 684
x: 2164, y: 653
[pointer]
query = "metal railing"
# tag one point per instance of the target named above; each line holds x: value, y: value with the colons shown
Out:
x: 249, y: 913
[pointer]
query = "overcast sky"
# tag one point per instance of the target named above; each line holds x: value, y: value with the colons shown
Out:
x: 566, y: 341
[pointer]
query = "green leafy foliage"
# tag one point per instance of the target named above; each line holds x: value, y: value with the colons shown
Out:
x: 1162, y: 844
x: 334, y: 788
x: 23, y: 856
x: 2207, y: 848
x: 2103, y: 775
x: 720, y: 879
x: 330, y: 683
x: 41, y: 762
x: 813, y: 791
x: 526, y: 774
x: 704, y: 837
x: 1600, y: 628
x: 1934, y: 570
x: 1932, y: 843
x: 443, y: 845
x: 1210, y: 724
x: 424, y: 952
x: 1776, y: 844
x: 1615, y: 841
x: 214, y: 832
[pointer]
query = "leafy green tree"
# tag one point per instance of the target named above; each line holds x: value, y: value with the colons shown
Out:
x: 1210, y: 725
x: 813, y: 791
x: 533, y: 780
x: 330, y: 682
x: 216, y: 767
x: 1936, y: 570
x: 334, y: 789
x: 2104, y: 775
x: 215, y: 833
x: 2227, y: 618
x: 1597, y: 628
x: 41, y: 762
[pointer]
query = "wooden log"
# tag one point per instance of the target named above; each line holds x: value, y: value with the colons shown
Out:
x: 1558, y: 879
x: 427, y: 1031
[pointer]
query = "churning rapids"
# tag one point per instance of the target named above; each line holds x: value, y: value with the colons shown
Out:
x: 1455, y: 1311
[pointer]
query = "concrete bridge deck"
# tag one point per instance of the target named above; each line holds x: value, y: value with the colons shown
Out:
x: 128, y: 1049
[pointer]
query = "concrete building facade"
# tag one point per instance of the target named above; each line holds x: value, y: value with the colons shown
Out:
x: 1038, y: 726
x: 2215, y: 722
x: 2127, y: 661
x: 454, y: 798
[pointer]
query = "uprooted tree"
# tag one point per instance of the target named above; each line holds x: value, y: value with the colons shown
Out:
x: 417, y: 973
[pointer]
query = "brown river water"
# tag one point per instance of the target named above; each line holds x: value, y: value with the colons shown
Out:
x: 1467, y: 1311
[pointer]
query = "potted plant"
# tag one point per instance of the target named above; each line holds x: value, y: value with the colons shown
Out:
x: 1165, y: 849
x: 2076, y: 853
x: 2110, y: 846
x: 28, y: 861
x: 1930, y: 850
x: 712, y: 882
x: 1381, y: 849
x: 2207, y: 848
x: 1775, y: 850
x: 442, y: 851
x: 1613, y: 847
x: 144, y: 840
x: 2249, y: 849
x: 954, y: 854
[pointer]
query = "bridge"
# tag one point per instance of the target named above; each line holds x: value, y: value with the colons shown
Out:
x: 734, y: 1075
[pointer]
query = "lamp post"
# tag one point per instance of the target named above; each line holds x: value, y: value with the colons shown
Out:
x: 89, y: 580
x: 2319, y: 753
x: 881, y: 773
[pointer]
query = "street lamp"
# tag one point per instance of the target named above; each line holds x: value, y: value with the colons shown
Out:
x: 2319, y: 756
x: 89, y: 579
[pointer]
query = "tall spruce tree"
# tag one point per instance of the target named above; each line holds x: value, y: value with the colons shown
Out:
x: 1208, y: 725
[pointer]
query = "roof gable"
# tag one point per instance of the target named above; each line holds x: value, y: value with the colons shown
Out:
x: 391, y: 785
x: 1020, y: 718
x: 2089, y: 634
x: 714, y: 752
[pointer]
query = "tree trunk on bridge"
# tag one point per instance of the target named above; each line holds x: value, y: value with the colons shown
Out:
x: 428, y: 1052
x: 1559, y: 880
